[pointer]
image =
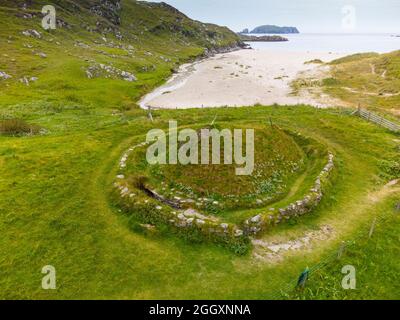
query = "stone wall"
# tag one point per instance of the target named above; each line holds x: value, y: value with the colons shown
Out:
x: 188, y: 223
x: 301, y: 207
x: 192, y: 224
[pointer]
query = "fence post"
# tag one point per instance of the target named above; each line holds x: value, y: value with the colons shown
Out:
x: 301, y: 283
x: 215, y: 119
x: 341, y: 250
x: 371, y: 231
x: 149, y: 114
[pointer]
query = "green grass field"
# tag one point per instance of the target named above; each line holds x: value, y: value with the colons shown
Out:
x: 56, y: 210
x: 56, y: 203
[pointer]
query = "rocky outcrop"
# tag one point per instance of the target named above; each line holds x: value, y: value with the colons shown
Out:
x: 32, y: 33
x: 171, y: 20
x: 210, y: 52
x: 248, y: 38
x: 271, y: 29
x: 27, y: 80
x: 108, y: 9
x: 109, y: 72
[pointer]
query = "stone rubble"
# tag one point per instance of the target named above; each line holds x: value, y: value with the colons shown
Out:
x: 273, y: 250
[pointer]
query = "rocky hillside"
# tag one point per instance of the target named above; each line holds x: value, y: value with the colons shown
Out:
x: 130, y: 18
x: 135, y: 42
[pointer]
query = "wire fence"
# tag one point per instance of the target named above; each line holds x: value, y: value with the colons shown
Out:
x: 366, y: 232
x: 381, y: 121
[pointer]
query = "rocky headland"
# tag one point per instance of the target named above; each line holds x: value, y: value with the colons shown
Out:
x: 274, y: 38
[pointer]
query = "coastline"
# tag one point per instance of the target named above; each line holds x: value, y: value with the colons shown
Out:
x: 179, y: 78
x: 242, y: 78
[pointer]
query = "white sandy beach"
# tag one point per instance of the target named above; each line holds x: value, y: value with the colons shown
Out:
x: 243, y: 78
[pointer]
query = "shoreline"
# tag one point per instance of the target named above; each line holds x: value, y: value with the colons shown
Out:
x: 179, y: 78
x: 242, y: 78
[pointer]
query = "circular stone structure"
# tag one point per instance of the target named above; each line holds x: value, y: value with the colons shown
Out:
x: 211, y: 199
x: 278, y: 161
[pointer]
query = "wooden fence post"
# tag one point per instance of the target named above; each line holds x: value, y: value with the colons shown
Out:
x: 341, y: 250
x: 215, y: 119
x: 371, y: 231
x: 149, y: 114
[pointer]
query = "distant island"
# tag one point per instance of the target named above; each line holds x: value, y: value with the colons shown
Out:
x: 271, y: 29
x: 249, y: 38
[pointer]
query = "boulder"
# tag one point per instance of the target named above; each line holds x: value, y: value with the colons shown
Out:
x: 32, y: 33
x: 124, y: 192
x: 200, y: 222
x: 181, y: 217
x: 238, y: 233
x: 4, y: 75
x: 128, y: 76
x: 256, y: 219
x: 282, y: 212
x: 224, y: 226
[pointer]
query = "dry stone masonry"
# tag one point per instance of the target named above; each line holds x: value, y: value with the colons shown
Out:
x: 308, y: 203
x: 189, y: 221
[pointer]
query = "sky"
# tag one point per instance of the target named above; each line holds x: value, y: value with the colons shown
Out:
x: 309, y: 16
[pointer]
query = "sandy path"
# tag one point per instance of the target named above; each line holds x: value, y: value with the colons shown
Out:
x: 241, y: 78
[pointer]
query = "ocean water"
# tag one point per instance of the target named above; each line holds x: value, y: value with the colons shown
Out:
x: 336, y: 43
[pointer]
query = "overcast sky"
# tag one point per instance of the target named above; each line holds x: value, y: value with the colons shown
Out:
x: 308, y: 15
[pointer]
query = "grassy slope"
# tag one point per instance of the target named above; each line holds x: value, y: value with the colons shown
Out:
x: 375, y: 259
x: 145, y: 27
x: 371, y: 80
x: 53, y: 189
x: 45, y: 219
